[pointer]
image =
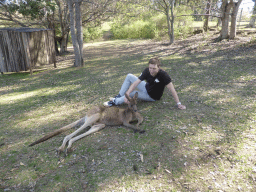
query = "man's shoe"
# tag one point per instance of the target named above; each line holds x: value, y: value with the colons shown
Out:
x: 109, y: 104
x: 112, y: 101
x: 118, y: 96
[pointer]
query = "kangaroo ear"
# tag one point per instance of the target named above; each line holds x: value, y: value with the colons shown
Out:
x: 127, y: 96
x: 136, y: 95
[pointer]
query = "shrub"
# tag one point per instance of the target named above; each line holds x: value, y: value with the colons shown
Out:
x: 136, y: 30
x: 92, y: 33
x: 183, y: 25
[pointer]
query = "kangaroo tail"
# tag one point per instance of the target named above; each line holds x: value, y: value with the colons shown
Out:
x: 59, y: 131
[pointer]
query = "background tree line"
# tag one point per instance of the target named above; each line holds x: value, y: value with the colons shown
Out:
x: 126, y: 18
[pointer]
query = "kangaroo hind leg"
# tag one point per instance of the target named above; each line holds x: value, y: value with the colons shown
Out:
x: 93, y: 129
x: 89, y: 121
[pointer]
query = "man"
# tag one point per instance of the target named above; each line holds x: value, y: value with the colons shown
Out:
x: 157, y: 79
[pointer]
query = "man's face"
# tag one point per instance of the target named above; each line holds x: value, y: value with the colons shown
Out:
x: 153, y: 69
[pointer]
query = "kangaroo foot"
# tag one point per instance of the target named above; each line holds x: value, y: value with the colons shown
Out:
x: 68, y: 150
x: 60, y: 150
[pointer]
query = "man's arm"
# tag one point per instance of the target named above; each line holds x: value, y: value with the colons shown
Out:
x: 175, y: 95
x: 131, y: 88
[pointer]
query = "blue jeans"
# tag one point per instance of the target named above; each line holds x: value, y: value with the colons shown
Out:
x: 141, y: 89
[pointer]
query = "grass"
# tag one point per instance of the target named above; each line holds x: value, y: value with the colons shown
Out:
x: 210, y: 146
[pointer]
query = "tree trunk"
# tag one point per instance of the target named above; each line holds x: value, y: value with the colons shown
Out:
x: 169, y: 23
x: 79, y: 28
x: 172, y: 22
x: 206, y: 20
x: 64, y: 25
x: 225, y: 7
x: 234, y: 19
x: 253, y: 18
x: 78, y: 54
x: 63, y: 44
x: 218, y: 22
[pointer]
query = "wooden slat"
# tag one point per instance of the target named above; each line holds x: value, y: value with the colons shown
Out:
x: 26, y: 49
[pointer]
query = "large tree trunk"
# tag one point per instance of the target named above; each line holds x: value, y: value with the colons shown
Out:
x: 74, y: 35
x: 253, y: 18
x: 234, y: 19
x: 225, y: 7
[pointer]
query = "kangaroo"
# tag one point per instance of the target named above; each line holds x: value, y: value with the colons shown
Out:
x: 98, y: 117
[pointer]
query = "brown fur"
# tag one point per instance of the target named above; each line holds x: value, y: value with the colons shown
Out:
x: 98, y: 117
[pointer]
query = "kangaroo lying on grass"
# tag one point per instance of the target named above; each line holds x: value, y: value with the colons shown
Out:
x: 98, y: 117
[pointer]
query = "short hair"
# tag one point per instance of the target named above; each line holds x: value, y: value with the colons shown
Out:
x: 155, y: 61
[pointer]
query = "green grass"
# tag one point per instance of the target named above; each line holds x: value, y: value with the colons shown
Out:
x: 210, y: 146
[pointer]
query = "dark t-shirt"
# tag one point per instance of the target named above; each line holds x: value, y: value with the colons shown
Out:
x: 155, y: 85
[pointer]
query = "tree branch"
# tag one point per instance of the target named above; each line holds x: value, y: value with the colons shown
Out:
x: 199, y: 15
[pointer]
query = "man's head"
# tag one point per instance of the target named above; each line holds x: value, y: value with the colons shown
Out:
x: 154, y: 65
x: 155, y: 61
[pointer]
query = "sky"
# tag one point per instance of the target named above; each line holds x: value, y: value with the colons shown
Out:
x: 247, y: 4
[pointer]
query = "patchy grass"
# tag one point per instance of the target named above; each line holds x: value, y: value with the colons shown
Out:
x: 210, y: 146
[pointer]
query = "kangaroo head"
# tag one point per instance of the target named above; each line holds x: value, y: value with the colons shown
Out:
x: 133, y: 102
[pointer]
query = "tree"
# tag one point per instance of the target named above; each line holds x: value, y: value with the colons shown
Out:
x: 55, y: 15
x: 226, y: 8
x: 63, y: 23
x: 206, y: 20
x: 98, y: 11
x: 235, y: 9
x: 167, y: 7
x: 76, y: 30
x: 253, y: 18
x: 95, y: 13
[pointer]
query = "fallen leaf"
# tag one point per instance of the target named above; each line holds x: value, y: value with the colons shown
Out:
x: 141, y: 157
x: 168, y: 171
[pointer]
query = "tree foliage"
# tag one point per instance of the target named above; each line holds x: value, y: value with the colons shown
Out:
x: 23, y: 12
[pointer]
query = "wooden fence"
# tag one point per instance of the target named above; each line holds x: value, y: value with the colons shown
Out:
x: 22, y: 49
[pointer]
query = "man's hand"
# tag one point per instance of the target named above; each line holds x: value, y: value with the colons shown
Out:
x: 126, y: 100
x: 181, y: 106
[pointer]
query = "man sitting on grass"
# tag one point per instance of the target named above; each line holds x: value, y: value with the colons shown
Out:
x: 152, y: 90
